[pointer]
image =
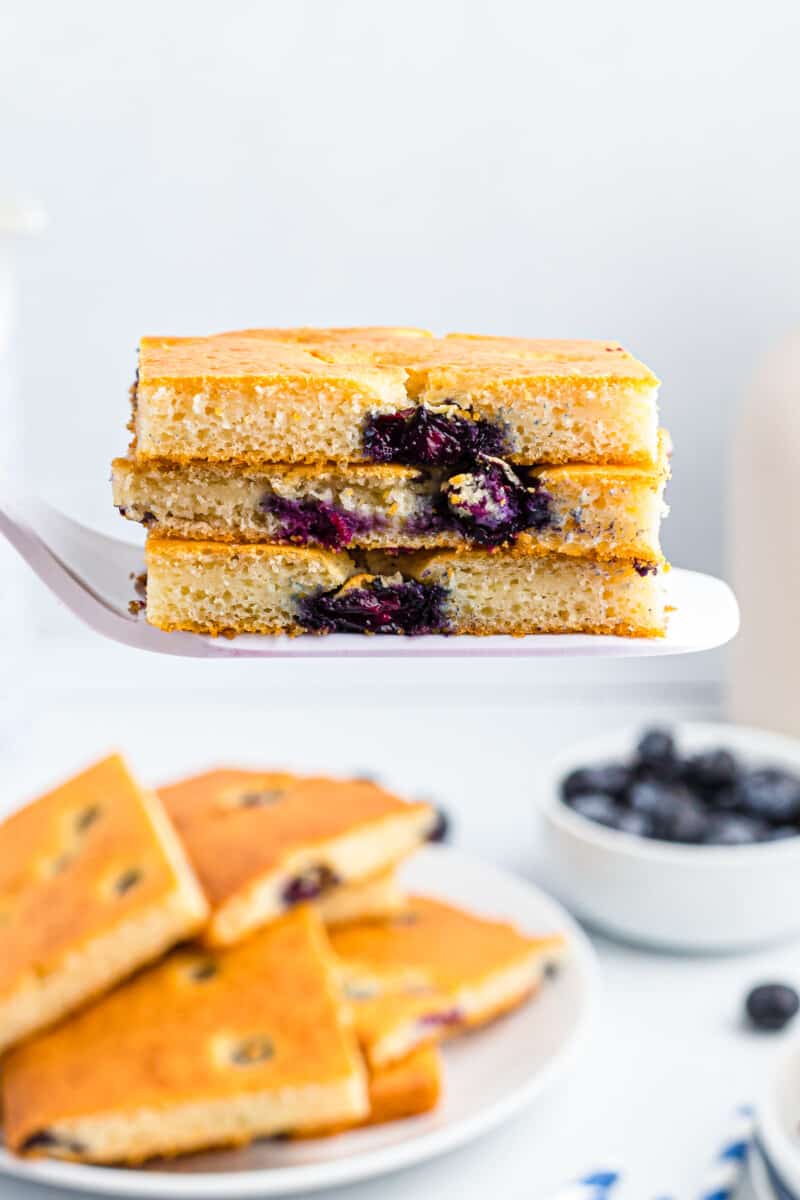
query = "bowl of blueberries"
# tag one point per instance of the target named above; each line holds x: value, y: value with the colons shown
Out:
x: 685, y: 838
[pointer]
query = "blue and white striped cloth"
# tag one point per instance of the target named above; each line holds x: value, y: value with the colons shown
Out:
x: 728, y: 1165
x: 723, y: 1177
x: 596, y: 1185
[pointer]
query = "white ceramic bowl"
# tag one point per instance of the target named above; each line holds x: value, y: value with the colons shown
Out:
x: 697, y: 898
x: 778, y: 1117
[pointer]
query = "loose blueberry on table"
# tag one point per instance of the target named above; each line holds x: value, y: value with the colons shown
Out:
x: 771, y: 1006
x: 703, y: 799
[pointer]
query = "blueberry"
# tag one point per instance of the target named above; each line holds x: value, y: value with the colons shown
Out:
x: 725, y: 799
x: 688, y: 823
x: 772, y: 1005
x: 407, y: 607
x: 656, y: 757
x: 424, y: 437
x: 770, y: 794
x: 711, y: 771
x: 441, y: 830
x: 385, y: 436
x: 539, y: 504
x: 45, y: 1139
x: 614, y: 778
x: 260, y: 799
x: 734, y: 830
x: 314, y: 522
x: 128, y: 880
x: 432, y: 517
x: 492, y: 504
x: 660, y: 801
x: 635, y: 823
x: 441, y: 1020
x: 433, y: 439
x: 87, y: 818
x: 647, y: 798
x: 252, y: 1050
x: 203, y: 970
x: 656, y: 746
x: 597, y: 807
x: 309, y: 884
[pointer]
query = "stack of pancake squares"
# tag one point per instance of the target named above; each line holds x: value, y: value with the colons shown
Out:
x: 388, y: 481
x: 233, y: 958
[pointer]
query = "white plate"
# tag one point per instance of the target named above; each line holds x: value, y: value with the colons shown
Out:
x: 705, y: 615
x: 489, y: 1074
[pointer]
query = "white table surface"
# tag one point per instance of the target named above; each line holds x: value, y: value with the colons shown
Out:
x: 668, y: 1058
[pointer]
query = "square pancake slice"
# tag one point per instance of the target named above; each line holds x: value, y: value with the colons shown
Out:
x: 603, y: 511
x: 199, y: 1051
x: 263, y: 841
x: 93, y: 884
x: 390, y: 395
x: 222, y: 588
x: 432, y: 971
x: 404, y: 1089
x: 407, y: 1088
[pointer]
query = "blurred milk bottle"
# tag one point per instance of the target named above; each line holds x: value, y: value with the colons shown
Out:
x: 765, y: 545
x: 16, y: 221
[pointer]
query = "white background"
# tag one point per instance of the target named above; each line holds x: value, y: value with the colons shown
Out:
x: 620, y: 170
